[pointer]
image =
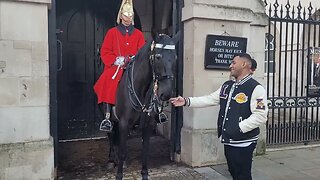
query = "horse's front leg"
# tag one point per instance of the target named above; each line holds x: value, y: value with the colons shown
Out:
x: 146, y: 133
x: 122, y: 150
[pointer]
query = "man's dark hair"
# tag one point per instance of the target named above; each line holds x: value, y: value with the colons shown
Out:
x: 249, y: 58
x: 253, y: 64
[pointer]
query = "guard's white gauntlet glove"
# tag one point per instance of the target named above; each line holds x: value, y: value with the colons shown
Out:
x: 119, y: 61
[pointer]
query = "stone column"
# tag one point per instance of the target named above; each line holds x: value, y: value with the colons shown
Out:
x: 26, y: 148
x: 200, y: 144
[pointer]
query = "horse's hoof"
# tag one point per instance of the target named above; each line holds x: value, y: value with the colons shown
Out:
x: 110, y: 165
x: 144, y: 177
x: 125, y: 165
x: 144, y: 174
x: 119, y: 177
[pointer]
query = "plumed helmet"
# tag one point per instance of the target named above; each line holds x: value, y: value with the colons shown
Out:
x: 126, y: 8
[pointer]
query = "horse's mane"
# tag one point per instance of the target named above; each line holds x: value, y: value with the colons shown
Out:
x: 143, y: 51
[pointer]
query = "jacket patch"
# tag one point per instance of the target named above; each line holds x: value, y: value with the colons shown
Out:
x: 241, y: 98
x: 260, y: 104
x: 223, y: 93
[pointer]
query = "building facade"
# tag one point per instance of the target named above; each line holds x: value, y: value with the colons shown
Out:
x: 28, y: 87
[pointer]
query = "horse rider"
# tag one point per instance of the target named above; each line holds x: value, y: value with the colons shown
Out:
x: 120, y: 43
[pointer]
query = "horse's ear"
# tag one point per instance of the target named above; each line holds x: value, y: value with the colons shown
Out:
x: 176, y: 37
x: 157, y: 37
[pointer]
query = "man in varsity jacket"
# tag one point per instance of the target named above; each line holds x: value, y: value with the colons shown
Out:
x: 243, y: 108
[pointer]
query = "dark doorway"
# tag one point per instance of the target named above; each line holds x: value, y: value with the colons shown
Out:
x: 81, y: 26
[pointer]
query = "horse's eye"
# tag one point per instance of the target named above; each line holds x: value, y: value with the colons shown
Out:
x: 158, y: 56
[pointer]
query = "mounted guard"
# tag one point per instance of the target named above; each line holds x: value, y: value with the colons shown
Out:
x: 120, y: 43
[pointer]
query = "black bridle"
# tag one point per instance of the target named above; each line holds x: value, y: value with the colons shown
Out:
x: 154, y: 104
x: 155, y: 76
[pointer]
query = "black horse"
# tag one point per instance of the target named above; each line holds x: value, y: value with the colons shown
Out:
x: 145, y: 85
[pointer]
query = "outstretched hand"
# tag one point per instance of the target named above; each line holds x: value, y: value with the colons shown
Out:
x: 177, y: 101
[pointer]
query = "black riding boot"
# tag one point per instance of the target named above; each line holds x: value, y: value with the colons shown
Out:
x: 106, y: 124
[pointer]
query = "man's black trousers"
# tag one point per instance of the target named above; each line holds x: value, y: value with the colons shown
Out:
x: 239, y: 161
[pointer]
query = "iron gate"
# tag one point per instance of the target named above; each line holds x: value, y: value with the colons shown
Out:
x: 292, y: 42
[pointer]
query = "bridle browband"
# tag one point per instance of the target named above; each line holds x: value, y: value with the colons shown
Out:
x: 154, y: 104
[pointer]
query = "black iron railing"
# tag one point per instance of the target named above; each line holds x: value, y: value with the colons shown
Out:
x: 293, y: 112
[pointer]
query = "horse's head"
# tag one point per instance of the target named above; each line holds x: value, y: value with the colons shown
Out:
x: 164, y: 64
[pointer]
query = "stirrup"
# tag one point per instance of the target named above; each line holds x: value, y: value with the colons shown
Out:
x: 106, y: 124
x: 163, y: 118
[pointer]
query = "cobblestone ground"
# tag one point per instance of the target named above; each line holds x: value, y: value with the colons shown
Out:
x: 163, y: 173
x: 87, y: 160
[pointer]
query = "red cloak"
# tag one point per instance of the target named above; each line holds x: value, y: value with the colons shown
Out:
x: 117, y: 42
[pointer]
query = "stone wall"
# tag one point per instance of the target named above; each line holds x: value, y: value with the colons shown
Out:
x: 26, y: 150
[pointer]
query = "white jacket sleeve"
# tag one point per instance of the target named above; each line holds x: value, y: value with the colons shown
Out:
x: 259, y: 109
x: 212, y: 99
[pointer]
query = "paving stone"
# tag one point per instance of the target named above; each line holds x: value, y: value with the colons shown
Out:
x: 256, y: 175
x: 223, y: 170
x: 315, y: 172
x: 278, y: 155
x: 306, y: 153
x: 210, y: 173
x: 296, y: 163
x: 279, y: 171
x: 262, y: 161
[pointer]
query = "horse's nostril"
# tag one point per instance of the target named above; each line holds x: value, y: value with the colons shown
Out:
x: 164, y: 97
